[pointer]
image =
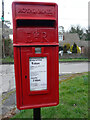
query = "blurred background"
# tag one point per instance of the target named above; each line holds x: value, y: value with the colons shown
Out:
x: 73, y: 28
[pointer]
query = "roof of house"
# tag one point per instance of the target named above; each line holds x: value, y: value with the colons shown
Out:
x: 4, y: 25
x: 6, y: 30
x: 72, y: 38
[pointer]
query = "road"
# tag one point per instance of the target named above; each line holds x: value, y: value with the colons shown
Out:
x: 76, y: 67
x: 7, y: 80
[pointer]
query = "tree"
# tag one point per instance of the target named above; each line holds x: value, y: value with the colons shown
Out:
x: 87, y: 34
x: 83, y: 33
x: 77, y: 30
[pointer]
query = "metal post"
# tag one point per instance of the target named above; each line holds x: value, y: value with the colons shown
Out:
x: 3, y: 29
x: 36, y: 114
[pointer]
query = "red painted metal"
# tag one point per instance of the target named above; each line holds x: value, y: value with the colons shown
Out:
x: 35, y: 24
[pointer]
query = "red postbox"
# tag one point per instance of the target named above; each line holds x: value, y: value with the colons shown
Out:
x: 35, y: 42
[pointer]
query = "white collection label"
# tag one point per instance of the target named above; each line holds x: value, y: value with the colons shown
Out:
x: 38, y: 73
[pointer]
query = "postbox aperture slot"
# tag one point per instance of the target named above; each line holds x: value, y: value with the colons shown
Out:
x: 35, y: 23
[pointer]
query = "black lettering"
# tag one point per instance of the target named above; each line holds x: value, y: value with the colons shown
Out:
x: 37, y: 80
x: 36, y: 63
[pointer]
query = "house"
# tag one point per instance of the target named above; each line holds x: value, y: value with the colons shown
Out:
x: 72, y: 38
x: 6, y: 30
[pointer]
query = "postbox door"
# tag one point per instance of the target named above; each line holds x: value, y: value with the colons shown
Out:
x: 39, y: 76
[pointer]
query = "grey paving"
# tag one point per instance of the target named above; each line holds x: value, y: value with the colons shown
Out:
x: 9, y: 103
x: 7, y: 81
x: 8, y: 108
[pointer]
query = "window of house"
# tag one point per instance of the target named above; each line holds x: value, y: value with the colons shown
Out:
x: 60, y: 37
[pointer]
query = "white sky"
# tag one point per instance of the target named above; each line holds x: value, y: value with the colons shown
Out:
x: 70, y: 12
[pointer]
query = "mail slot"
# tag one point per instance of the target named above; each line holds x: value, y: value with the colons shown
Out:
x: 35, y: 43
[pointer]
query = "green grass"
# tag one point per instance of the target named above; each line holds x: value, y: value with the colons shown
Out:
x: 11, y: 60
x: 73, y: 101
x: 71, y: 60
x: 8, y: 60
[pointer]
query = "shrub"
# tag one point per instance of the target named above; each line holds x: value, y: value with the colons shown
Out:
x: 66, y: 47
x: 74, y: 48
x: 78, y: 50
x: 71, y: 48
x: 8, y: 47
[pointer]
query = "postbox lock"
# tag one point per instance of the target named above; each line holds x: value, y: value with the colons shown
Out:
x: 25, y: 76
